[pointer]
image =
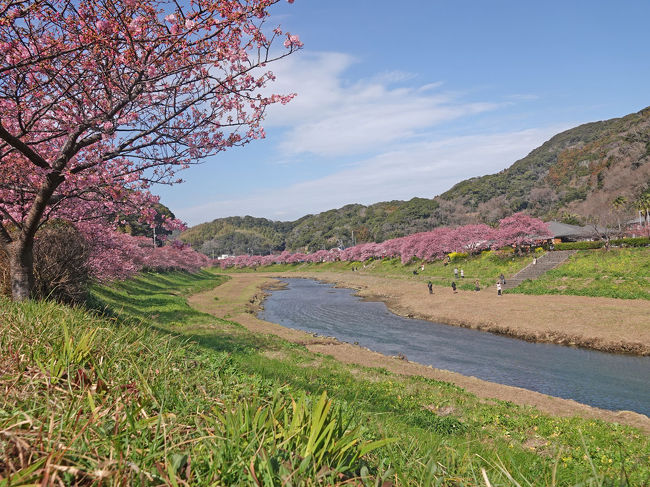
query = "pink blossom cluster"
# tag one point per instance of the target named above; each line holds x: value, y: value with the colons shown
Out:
x: 99, y: 100
x: 115, y: 255
x: 516, y: 230
x: 112, y: 132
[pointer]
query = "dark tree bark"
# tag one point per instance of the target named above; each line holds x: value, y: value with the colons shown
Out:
x: 20, y: 249
x: 21, y: 265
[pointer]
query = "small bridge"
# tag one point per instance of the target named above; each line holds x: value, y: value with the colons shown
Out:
x: 548, y: 261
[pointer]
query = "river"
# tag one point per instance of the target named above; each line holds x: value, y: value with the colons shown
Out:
x: 604, y: 380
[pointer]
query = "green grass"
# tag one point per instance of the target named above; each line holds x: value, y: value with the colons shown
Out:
x: 156, y: 393
x: 617, y: 273
x: 485, y: 267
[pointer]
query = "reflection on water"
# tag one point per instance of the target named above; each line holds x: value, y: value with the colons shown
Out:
x: 609, y: 381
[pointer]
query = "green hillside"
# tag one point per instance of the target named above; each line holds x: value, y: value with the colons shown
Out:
x: 238, y: 235
x: 578, y: 172
x: 573, y: 177
x: 343, y: 226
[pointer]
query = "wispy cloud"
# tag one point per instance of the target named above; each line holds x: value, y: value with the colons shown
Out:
x: 332, y: 116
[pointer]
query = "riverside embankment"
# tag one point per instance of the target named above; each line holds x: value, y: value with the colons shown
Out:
x: 238, y: 299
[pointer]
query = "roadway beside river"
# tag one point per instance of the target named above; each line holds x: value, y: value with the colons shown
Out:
x: 531, y: 317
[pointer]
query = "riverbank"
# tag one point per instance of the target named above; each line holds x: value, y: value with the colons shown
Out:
x: 86, y: 392
x: 239, y: 298
x: 603, y: 324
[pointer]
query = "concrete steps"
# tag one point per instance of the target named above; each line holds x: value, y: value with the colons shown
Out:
x: 548, y: 261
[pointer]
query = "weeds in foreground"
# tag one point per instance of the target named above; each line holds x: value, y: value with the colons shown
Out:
x: 176, y: 397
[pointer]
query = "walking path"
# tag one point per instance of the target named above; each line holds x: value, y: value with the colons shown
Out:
x: 239, y: 298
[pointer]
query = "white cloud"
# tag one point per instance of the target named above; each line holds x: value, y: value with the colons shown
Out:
x: 422, y: 169
x: 332, y: 117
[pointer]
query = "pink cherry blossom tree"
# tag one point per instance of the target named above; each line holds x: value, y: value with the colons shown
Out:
x: 100, y: 99
x: 520, y: 229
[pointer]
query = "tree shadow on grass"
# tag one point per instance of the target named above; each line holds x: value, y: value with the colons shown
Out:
x: 159, y: 313
x: 171, y: 283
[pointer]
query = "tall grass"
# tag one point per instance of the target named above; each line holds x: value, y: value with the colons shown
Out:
x: 155, y: 393
x: 115, y: 401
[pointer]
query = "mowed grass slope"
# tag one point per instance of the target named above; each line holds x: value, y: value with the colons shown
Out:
x: 616, y: 273
x: 153, y: 393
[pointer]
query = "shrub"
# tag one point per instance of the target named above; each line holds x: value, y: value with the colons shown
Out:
x: 454, y: 256
x: 580, y: 245
x: 501, y: 254
x: 61, y: 269
x: 632, y: 242
x: 620, y: 242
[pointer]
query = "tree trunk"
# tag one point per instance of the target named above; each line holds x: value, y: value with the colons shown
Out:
x: 21, y: 269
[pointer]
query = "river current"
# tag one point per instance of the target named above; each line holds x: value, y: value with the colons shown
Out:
x: 609, y: 381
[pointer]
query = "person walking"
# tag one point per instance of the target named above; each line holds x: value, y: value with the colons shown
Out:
x: 456, y: 272
x: 499, y: 288
x: 502, y: 279
x: 453, y: 286
x: 430, y: 286
x: 477, y: 286
x: 462, y: 274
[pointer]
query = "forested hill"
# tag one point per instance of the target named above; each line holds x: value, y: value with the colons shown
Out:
x: 574, y: 177
x: 340, y: 227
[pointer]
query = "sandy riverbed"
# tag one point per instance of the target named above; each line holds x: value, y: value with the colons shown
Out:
x: 239, y: 298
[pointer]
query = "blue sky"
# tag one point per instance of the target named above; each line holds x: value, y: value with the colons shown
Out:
x: 404, y: 99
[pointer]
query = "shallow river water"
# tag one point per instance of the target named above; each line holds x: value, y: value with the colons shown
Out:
x: 609, y: 381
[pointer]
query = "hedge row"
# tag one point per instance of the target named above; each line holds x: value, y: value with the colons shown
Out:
x: 619, y: 242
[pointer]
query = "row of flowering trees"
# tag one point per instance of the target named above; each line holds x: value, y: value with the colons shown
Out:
x: 115, y: 255
x: 516, y: 230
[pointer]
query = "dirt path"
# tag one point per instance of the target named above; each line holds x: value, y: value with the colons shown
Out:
x: 239, y: 296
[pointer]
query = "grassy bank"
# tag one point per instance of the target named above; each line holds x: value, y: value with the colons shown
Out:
x: 617, y: 273
x: 485, y: 267
x: 154, y: 392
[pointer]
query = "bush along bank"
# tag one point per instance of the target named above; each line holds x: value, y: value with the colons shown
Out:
x: 153, y: 392
x: 599, y: 244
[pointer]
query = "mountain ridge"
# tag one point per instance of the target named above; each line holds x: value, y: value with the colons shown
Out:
x: 572, y: 177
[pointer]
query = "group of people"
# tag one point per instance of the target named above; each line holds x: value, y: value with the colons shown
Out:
x: 477, y: 285
x: 501, y: 281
